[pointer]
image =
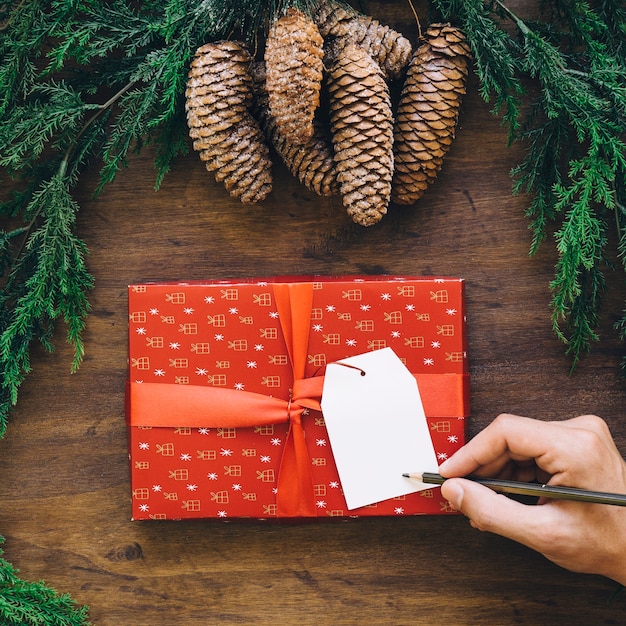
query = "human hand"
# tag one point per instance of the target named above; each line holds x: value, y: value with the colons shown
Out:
x: 578, y: 452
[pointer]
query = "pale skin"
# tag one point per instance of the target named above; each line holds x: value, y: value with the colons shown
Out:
x: 578, y: 452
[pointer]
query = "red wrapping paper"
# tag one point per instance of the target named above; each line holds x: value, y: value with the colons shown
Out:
x: 225, y: 381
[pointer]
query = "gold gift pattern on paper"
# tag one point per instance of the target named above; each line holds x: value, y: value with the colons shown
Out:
x: 318, y: 360
x: 270, y: 381
x: 166, y: 449
x: 332, y: 339
x: 179, y: 363
x: 262, y: 299
x: 218, y: 321
x: 414, y: 342
x: 175, y: 298
x: 142, y: 363
x: 203, y: 347
x: 141, y: 494
x: 138, y: 317
x: 179, y: 474
x: 366, y: 326
x: 406, y: 291
x: 376, y: 344
x: 393, y: 317
x: 354, y: 295
x: 278, y: 359
x: 220, y: 497
x: 440, y: 296
x: 227, y: 433
x: 232, y: 470
x: 206, y: 455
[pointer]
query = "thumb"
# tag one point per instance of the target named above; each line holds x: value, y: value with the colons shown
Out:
x: 494, y: 512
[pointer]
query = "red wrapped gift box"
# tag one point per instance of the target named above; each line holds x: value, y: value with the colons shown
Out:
x: 225, y: 380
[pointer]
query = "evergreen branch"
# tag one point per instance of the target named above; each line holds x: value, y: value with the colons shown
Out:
x: 24, y: 603
x: 620, y: 223
x: 50, y: 280
x: 539, y: 173
x: 494, y: 54
x: 30, y: 128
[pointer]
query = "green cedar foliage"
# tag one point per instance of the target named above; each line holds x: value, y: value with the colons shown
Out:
x: 78, y: 79
x: 83, y: 78
x: 24, y: 603
x: 560, y: 82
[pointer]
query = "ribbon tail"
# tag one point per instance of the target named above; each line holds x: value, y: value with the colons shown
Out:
x: 296, y: 496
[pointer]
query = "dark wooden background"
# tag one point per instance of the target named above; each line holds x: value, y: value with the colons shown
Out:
x: 64, y: 493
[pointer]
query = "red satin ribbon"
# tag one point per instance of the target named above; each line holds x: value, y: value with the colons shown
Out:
x: 172, y: 405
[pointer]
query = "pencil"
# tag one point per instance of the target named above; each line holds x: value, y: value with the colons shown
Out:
x: 531, y: 489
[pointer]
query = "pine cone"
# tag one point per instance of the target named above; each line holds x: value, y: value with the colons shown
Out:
x: 428, y: 111
x: 229, y: 140
x: 362, y: 125
x: 386, y: 46
x: 312, y: 162
x: 293, y: 60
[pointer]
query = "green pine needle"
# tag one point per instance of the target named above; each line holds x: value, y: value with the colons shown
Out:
x: 24, y: 603
x: 572, y: 129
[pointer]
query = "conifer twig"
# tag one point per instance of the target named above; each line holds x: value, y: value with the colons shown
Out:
x: 572, y: 133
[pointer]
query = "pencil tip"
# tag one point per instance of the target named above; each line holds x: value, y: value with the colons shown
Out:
x: 406, y: 475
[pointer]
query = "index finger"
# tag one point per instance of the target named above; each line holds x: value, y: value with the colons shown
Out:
x: 509, y: 437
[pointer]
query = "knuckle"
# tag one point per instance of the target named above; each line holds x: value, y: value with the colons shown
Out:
x: 591, y: 440
x: 595, y: 424
x: 504, y: 419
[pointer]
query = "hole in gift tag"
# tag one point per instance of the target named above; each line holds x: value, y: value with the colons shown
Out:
x: 353, y: 367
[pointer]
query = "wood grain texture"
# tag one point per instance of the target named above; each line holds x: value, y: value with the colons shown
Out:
x: 64, y: 494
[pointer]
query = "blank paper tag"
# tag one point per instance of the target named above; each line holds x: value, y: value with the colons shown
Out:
x: 376, y: 426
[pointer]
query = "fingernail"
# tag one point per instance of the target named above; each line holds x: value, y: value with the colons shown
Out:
x: 443, y: 466
x: 454, y: 494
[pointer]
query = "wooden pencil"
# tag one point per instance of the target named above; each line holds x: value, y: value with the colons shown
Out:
x: 530, y: 489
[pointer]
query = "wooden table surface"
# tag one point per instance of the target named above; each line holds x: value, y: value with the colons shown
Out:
x: 65, y: 495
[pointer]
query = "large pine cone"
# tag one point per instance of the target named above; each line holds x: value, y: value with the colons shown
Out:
x: 362, y: 125
x: 312, y: 162
x: 229, y: 140
x: 387, y: 47
x: 293, y: 60
x: 428, y: 111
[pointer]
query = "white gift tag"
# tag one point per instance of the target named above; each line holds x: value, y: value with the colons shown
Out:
x: 377, y: 427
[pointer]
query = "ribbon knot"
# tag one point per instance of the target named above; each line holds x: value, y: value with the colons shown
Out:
x: 171, y: 405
